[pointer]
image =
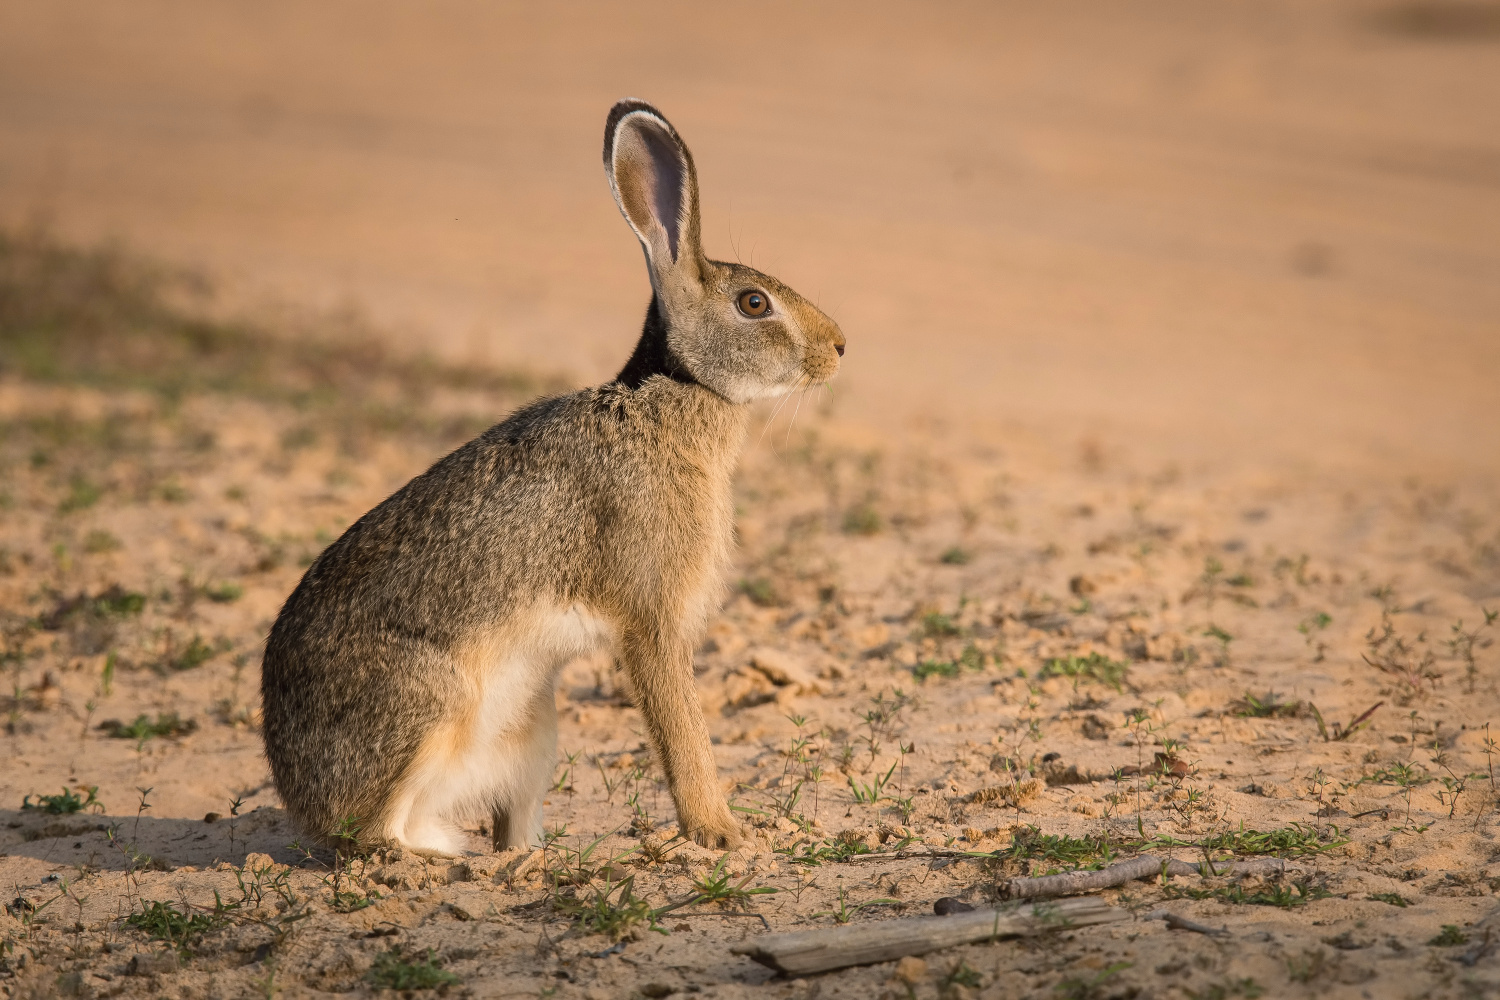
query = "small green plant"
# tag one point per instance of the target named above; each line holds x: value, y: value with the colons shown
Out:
x: 881, y: 721
x: 962, y: 975
x: 343, y: 886
x: 576, y: 865
x: 81, y: 495
x: 171, y: 491
x: 391, y: 971
x: 1412, y: 668
x: 1295, y: 840
x: 1449, y: 937
x: 802, y: 768
x: 1208, y: 583
x: 1285, y: 896
x: 955, y: 556
x: 844, y: 912
x: 1306, y: 967
x: 1061, y: 852
x: 143, y: 728
x: 112, y: 602
x: 1406, y: 776
x: 98, y: 540
x: 1269, y: 707
x: 196, y: 653
x: 761, y: 591
x: 862, y: 519
x: 1094, y: 668
x: 1338, y: 733
x: 937, y: 625
x: 1312, y: 628
x: 1393, y: 898
x: 613, y: 910
x: 935, y: 668
x: 873, y: 792
x: 1223, y: 638
x: 161, y: 921
x: 66, y: 803
x: 1463, y: 642
x: 223, y: 593
x: 836, y: 851
x: 1087, y: 989
x: 1246, y: 987
x: 715, y: 887
x: 565, y: 783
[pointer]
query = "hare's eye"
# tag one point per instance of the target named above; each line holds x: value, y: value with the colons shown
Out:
x: 753, y: 303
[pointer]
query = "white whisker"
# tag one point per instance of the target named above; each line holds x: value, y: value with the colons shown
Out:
x: 793, y: 422
x: 772, y: 418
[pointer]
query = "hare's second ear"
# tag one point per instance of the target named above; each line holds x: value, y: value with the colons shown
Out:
x: 651, y: 174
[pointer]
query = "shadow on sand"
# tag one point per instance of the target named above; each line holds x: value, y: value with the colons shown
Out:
x: 120, y: 843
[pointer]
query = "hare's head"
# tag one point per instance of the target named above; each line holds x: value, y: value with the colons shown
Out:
x: 730, y: 328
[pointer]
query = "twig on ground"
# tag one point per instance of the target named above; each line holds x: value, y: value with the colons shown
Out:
x: 805, y: 952
x: 1184, y: 924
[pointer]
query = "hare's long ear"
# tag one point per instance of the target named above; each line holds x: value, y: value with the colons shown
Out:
x: 651, y: 174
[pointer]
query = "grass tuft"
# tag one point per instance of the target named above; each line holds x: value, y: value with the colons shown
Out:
x: 161, y: 921
x: 1095, y: 668
x: 1451, y: 936
x: 391, y: 971
x: 65, y: 804
x: 1284, y: 896
x: 142, y: 729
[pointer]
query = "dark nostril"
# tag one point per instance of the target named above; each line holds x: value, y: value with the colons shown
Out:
x: 839, y: 348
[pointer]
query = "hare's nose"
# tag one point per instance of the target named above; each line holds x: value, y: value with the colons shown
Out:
x: 838, y: 345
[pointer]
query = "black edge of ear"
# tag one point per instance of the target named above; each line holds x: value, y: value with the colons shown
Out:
x: 617, y: 114
x: 675, y: 203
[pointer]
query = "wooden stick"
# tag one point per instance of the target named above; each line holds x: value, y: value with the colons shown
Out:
x: 800, y: 953
x: 1145, y: 866
x: 1178, y: 923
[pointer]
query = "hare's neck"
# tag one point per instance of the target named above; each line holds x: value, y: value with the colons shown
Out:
x: 653, y: 355
x: 709, y: 429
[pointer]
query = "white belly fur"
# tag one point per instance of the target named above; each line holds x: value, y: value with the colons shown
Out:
x: 499, y: 747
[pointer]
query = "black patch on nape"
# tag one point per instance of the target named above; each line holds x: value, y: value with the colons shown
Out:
x: 653, y: 355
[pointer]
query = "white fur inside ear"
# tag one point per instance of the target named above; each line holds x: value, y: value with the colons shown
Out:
x: 649, y: 179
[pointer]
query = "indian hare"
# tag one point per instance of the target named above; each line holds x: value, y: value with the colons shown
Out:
x: 408, y: 681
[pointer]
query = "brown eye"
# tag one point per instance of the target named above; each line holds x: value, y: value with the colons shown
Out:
x: 753, y: 303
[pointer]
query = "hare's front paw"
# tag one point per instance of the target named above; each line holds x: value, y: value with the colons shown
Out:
x: 721, y: 835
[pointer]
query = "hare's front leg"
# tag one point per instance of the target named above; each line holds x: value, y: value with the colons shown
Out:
x: 662, y: 674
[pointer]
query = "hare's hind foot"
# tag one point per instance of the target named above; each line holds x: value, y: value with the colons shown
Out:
x: 517, y: 826
x: 427, y: 835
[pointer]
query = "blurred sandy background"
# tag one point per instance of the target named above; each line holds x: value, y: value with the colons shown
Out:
x: 1263, y: 230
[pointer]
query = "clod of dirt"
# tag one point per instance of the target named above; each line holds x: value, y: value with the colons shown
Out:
x: 1019, y: 794
x: 911, y: 970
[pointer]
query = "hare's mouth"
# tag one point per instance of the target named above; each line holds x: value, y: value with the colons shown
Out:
x: 818, y: 370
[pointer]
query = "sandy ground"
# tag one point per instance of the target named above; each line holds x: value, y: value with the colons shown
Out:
x: 934, y: 647
x: 1173, y: 351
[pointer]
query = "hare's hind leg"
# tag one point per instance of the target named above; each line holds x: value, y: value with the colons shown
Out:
x: 467, y: 768
x: 517, y: 814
